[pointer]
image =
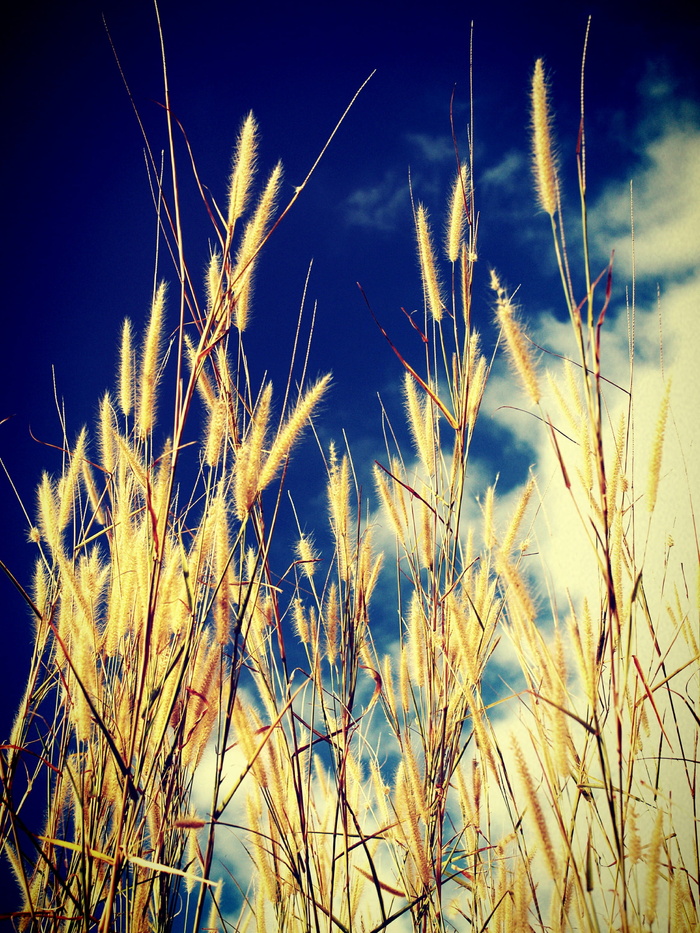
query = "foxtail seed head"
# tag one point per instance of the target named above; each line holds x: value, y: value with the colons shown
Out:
x: 126, y: 369
x: 426, y: 257
x: 458, y: 215
x: 150, y: 363
x: 517, y: 346
x: 544, y: 159
x: 244, y: 160
x: 656, y: 451
x: 253, y: 238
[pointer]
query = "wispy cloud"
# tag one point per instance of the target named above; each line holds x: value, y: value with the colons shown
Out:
x: 507, y: 174
x: 386, y: 205
x: 382, y: 206
x: 438, y: 149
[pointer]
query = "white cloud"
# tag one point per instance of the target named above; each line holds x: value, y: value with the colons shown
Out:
x: 565, y: 552
x: 666, y: 199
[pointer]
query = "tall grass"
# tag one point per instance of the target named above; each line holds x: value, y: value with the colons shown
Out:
x: 221, y: 745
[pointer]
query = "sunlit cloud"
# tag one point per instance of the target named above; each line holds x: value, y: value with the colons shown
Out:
x: 664, y: 200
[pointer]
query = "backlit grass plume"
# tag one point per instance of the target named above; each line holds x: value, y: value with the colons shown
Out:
x: 543, y: 154
x: 517, y: 345
x: 428, y: 269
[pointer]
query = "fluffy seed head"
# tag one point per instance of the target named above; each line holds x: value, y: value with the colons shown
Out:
x: 126, y: 369
x: 421, y: 421
x: 516, y: 519
x: 253, y: 237
x: 544, y: 159
x: 249, y: 455
x: 536, y: 811
x: 656, y: 451
x: 292, y: 429
x: 48, y: 513
x: 426, y: 257
x: 216, y: 430
x: 332, y: 624
x: 386, y: 494
x: 516, y: 343
x: 150, y: 362
x: 458, y: 215
x: 339, y: 506
x: 306, y: 555
x: 214, y: 283
x: 243, y: 169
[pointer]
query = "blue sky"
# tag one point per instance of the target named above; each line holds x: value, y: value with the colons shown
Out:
x: 79, y: 226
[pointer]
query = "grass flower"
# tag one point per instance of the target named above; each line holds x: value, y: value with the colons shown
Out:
x: 426, y: 258
x: 519, y: 353
x: 243, y: 173
x: 457, y: 215
x: 544, y: 159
